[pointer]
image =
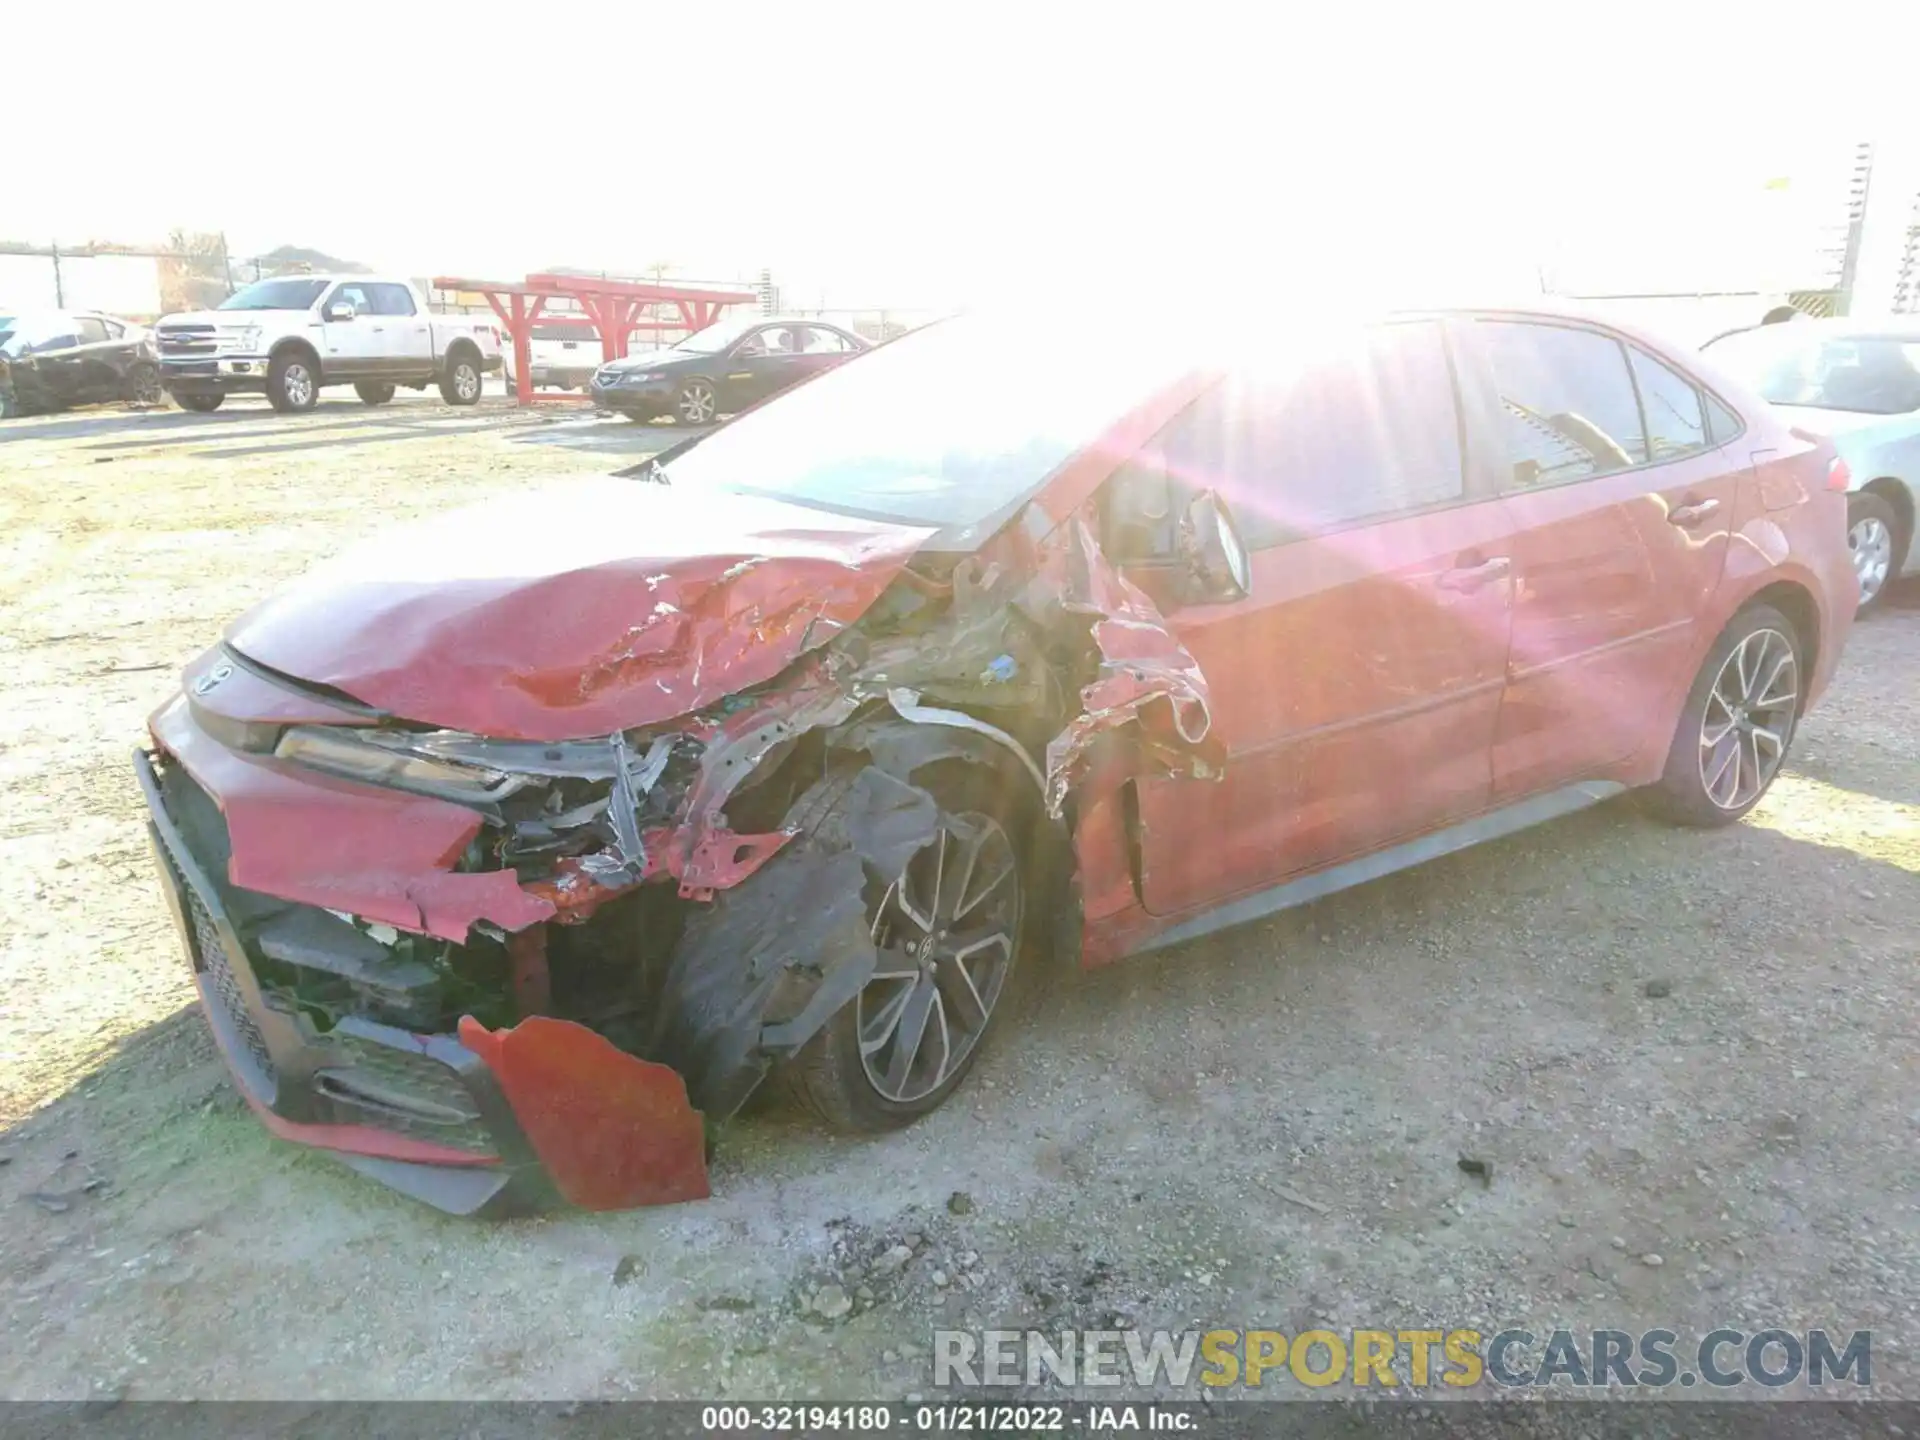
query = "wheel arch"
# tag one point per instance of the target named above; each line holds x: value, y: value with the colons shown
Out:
x: 463, y: 346
x: 291, y: 343
x: 1897, y: 493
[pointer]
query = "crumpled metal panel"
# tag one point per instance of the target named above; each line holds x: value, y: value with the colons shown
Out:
x: 577, y: 610
x: 1145, y: 675
x: 383, y: 855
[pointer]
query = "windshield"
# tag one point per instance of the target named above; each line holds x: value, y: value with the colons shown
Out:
x: 715, y: 338
x: 21, y: 333
x: 946, y: 427
x: 283, y: 294
x: 1795, y: 365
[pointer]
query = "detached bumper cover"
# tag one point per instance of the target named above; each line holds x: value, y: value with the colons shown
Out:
x: 486, y: 1122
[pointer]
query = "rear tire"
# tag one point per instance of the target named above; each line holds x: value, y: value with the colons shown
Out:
x: 1877, y: 545
x: 1737, y: 724
x: 982, y: 807
x: 293, y: 382
x: 372, y: 393
x: 460, y: 384
x: 200, y: 404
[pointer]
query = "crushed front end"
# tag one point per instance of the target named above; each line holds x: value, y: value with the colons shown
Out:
x: 498, y: 970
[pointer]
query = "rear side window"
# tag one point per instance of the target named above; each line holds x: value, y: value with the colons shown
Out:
x: 1568, y: 399
x: 1722, y: 423
x: 92, y: 330
x: 1676, y: 416
x: 390, y: 299
x: 1362, y: 434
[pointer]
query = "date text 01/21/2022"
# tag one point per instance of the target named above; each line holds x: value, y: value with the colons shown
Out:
x: 956, y: 1418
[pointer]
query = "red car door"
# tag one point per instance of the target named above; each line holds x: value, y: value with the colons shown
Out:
x: 1356, y: 688
x: 1620, y: 514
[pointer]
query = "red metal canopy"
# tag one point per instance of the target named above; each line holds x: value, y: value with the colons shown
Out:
x: 612, y: 306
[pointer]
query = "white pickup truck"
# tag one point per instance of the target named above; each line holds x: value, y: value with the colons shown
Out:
x: 289, y: 336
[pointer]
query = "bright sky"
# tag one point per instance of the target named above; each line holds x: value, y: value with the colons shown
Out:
x: 926, y: 155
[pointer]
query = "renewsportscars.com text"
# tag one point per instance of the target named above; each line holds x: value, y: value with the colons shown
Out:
x: 1389, y: 1359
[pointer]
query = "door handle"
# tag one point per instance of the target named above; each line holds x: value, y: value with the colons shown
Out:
x: 1472, y: 577
x: 1691, y: 514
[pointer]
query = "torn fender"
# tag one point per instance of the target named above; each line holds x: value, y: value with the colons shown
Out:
x: 1144, y: 678
x: 613, y: 1131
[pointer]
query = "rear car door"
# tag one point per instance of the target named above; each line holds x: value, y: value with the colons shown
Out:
x: 1356, y: 688
x: 56, y: 364
x: 1620, y: 517
x: 405, y: 347
x: 100, y: 361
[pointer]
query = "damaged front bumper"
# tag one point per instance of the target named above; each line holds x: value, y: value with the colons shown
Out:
x: 479, y: 1122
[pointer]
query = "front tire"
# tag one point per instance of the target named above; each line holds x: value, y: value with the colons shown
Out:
x: 293, y: 382
x: 696, y: 404
x: 1876, y: 545
x: 373, y: 393
x: 1737, y: 724
x: 199, y: 404
x: 950, y: 930
x: 460, y: 385
x: 143, y: 385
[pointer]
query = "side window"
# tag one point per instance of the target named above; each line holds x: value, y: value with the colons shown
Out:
x: 390, y: 299
x: 755, y: 344
x: 1569, y: 402
x: 115, y: 330
x: 821, y: 341
x: 354, y: 295
x: 1369, y: 431
x: 1722, y: 423
x: 1676, y: 417
x: 93, y: 330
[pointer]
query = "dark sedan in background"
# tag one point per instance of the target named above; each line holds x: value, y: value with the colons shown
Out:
x: 722, y: 369
x: 51, y: 359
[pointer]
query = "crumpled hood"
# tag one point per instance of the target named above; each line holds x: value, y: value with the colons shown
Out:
x: 577, y: 609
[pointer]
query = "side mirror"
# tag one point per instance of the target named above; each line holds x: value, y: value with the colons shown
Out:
x: 1218, y: 569
x: 340, y: 310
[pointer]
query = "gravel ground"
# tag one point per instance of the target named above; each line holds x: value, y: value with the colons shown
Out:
x: 1695, y: 1047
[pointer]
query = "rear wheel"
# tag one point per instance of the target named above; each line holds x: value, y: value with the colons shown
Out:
x: 696, y: 404
x: 949, y: 930
x: 373, y: 393
x: 460, y: 384
x: 1738, y: 722
x: 1876, y: 544
x: 202, y: 404
x: 293, y: 382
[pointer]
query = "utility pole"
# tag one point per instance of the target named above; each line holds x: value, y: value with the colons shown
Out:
x: 59, y: 290
x: 1856, y: 228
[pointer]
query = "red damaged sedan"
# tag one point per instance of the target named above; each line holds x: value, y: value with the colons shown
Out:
x: 513, y: 852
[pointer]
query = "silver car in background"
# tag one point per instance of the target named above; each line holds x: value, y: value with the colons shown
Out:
x: 1857, y: 382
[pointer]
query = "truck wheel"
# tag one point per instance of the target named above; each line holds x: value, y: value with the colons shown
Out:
x: 293, y: 382
x: 203, y: 404
x: 460, y: 385
x: 373, y: 393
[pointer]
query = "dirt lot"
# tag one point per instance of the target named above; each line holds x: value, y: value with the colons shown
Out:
x: 1261, y: 1129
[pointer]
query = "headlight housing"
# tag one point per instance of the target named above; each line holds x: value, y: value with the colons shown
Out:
x: 239, y: 337
x: 397, y: 759
x: 638, y: 377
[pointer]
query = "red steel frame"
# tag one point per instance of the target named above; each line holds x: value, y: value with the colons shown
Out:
x: 612, y: 307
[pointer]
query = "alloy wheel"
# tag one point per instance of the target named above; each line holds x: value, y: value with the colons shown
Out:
x: 947, y: 932
x: 1748, y: 719
x: 1870, y: 542
x: 466, y: 381
x: 298, y: 384
x: 696, y: 402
